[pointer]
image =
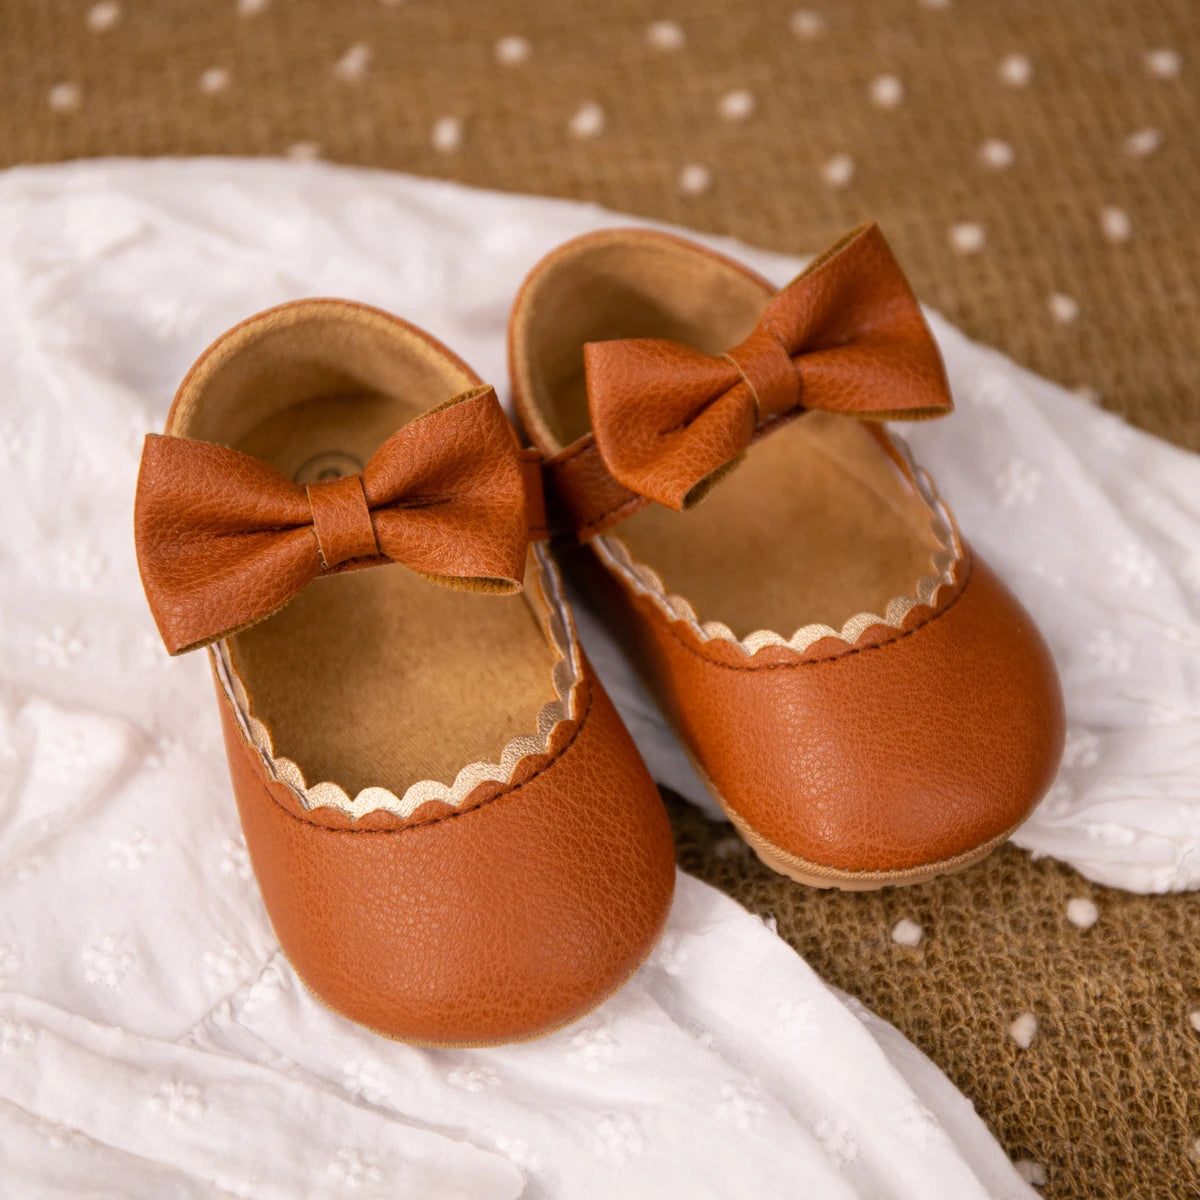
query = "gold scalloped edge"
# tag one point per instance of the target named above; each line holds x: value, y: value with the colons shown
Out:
x: 566, y: 677
x: 943, y: 562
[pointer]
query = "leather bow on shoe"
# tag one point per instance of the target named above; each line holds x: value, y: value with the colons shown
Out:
x: 224, y: 540
x: 847, y: 336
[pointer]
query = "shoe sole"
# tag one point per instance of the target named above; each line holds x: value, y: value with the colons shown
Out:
x: 591, y: 577
x: 818, y: 875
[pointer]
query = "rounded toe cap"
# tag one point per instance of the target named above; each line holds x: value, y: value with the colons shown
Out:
x: 493, y: 924
x: 909, y: 753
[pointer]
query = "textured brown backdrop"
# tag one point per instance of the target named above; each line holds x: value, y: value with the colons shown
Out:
x: 1035, y: 165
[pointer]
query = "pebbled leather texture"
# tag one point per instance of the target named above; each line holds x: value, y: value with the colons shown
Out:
x: 582, y: 498
x: 498, y: 923
x: 341, y: 520
x: 224, y: 540
x: 847, y: 335
x: 906, y: 749
x: 531, y: 901
x: 909, y: 748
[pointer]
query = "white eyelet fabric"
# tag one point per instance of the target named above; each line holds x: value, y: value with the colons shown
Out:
x: 154, y: 1042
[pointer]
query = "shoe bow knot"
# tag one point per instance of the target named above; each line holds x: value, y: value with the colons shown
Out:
x: 225, y: 540
x: 846, y: 336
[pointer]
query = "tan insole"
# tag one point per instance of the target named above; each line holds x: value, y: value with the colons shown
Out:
x: 380, y: 678
x: 817, y: 524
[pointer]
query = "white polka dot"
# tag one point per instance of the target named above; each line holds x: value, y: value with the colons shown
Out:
x: 103, y: 16
x: 447, y: 134
x: 1164, y: 63
x: 665, y: 35
x: 250, y: 8
x: 736, y: 106
x: 807, y: 24
x: 1064, y: 309
x: 1115, y: 223
x: 694, y: 179
x: 354, y: 64
x: 996, y: 154
x: 588, y: 120
x: 512, y: 51
x: 886, y: 91
x: 1143, y: 142
x: 1031, y: 1172
x: 1016, y: 70
x: 1082, y: 912
x: 214, y: 80
x: 64, y: 97
x: 907, y: 933
x: 730, y: 847
x: 838, y: 171
x: 1023, y: 1029
x: 304, y: 151
x: 967, y: 237
x: 1194, y: 1017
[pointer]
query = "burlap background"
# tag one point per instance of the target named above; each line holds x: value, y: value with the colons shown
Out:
x: 1035, y: 165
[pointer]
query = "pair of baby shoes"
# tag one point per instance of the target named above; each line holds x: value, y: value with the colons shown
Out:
x: 455, y: 838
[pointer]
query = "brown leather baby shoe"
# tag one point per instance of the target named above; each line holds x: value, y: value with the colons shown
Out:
x: 456, y: 841
x: 866, y: 700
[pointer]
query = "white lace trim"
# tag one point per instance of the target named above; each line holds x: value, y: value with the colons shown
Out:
x: 943, y: 562
x: 566, y: 676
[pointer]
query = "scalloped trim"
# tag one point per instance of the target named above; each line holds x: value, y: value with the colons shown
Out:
x: 943, y: 563
x: 566, y: 677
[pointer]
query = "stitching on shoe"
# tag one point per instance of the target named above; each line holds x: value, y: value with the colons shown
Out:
x: 632, y: 502
x: 584, y: 445
x: 462, y: 812
x: 816, y: 662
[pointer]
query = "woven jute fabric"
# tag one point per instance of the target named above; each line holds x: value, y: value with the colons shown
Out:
x: 1106, y: 1097
x: 1080, y: 258
x: 1035, y: 166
